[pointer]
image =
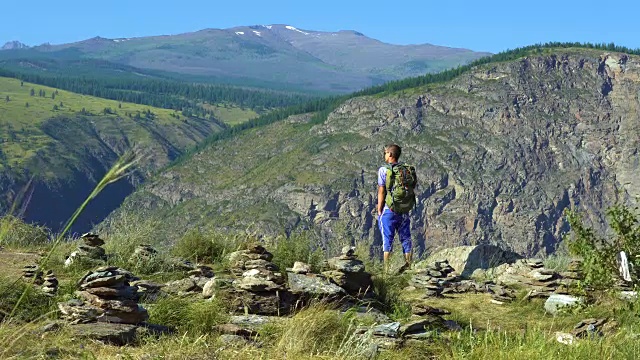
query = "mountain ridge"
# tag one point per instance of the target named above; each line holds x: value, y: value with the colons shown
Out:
x: 499, y: 148
x: 335, y: 62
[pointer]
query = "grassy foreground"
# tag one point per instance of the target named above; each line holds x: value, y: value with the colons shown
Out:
x: 510, y: 331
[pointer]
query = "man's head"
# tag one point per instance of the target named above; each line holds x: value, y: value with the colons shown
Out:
x: 392, y: 153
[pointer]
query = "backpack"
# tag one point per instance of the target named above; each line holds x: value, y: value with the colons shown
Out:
x: 400, y: 186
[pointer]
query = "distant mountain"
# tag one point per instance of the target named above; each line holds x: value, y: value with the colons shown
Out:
x: 13, y: 45
x: 272, y: 56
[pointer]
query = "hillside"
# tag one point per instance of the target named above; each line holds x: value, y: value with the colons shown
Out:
x: 61, y: 143
x: 271, y: 56
x: 501, y: 150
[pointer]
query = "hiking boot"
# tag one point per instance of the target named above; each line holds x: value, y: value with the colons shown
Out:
x: 404, y: 268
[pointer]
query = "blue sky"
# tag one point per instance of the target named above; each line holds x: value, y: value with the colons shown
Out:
x: 478, y: 25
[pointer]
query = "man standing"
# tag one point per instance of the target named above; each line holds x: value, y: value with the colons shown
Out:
x: 396, y: 197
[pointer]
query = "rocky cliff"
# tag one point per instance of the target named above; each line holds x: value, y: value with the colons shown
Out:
x: 501, y: 152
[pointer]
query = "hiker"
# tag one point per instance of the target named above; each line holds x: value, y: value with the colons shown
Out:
x: 396, y: 197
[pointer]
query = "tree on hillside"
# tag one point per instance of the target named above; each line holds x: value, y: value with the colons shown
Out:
x: 53, y: 96
x: 7, y: 98
x: 32, y: 92
x: 26, y: 105
x: 55, y: 107
x: 21, y: 83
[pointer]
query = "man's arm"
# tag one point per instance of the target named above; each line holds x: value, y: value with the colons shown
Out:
x: 381, y: 195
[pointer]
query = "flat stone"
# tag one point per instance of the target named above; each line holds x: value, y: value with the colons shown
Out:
x: 301, y: 268
x: 556, y: 302
x: 313, y: 286
x: 182, y: 286
x: 125, y: 292
x: 138, y: 316
x: 233, y: 329
x: 421, y: 325
x: 252, y: 320
x: 388, y: 330
x: 423, y: 309
x: 539, y: 276
x: 253, y: 284
x: 116, y: 334
x: 260, y: 264
x: 111, y: 281
x: 347, y: 266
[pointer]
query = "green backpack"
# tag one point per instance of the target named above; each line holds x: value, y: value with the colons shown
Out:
x: 400, y: 185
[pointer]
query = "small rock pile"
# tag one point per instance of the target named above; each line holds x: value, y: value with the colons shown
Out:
x: 106, y: 296
x: 91, y: 250
x: 32, y: 273
x: 572, y: 275
x: 439, y: 278
x: 260, y: 289
x: 348, y: 272
x: 435, y: 278
x: 424, y: 324
x: 193, y: 284
x: 50, y: 285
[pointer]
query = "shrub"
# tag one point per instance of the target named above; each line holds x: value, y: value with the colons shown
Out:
x: 204, y: 246
x: 297, y: 247
x: 34, y: 304
x: 15, y: 232
x: 599, y: 255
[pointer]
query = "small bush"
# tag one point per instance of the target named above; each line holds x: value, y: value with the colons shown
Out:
x: 15, y: 232
x: 33, y: 306
x: 388, y: 290
x: 599, y: 255
x: 297, y: 247
x: 204, y: 246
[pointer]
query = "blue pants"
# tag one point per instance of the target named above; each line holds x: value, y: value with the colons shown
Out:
x: 391, y: 222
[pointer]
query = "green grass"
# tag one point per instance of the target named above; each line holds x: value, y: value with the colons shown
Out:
x: 231, y: 114
x: 21, y: 126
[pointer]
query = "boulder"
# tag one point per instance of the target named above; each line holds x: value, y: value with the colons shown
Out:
x: 466, y: 259
x: 556, y: 302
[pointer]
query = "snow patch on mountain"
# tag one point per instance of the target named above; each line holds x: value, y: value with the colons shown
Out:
x: 294, y: 29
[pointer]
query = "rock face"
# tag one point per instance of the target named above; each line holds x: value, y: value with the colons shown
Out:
x: 501, y: 151
x: 90, y: 252
x: 105, y: 295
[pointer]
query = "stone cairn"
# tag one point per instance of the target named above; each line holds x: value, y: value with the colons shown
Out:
x: 105, y: 296
x: 32, y: 273
x: 425, y: 323
x: 439, y: 279
x: 50, y: 285
x: 573, y: 274
x: 435, y: 277
x: 348, y: 272
x: 259, y: 288
x: 198, y: 277
x: 91, y: 250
